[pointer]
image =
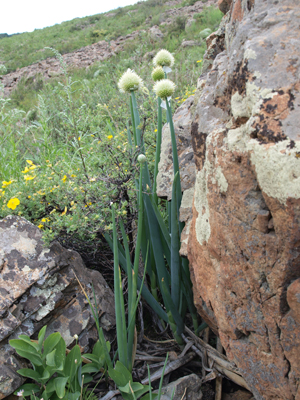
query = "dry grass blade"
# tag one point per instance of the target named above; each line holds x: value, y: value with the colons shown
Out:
x: 172, y: 366
x: 221, y: 363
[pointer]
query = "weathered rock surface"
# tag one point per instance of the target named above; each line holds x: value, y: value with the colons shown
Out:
x: 244, y: 240
x: 38, y: 287
x: 187, y: 387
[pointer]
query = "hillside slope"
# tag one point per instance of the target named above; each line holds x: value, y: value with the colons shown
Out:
x: 175, y: 13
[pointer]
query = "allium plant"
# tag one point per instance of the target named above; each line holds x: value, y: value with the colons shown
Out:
x: 159, y: 243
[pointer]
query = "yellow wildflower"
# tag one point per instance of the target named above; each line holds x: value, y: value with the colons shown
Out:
x: 64, y: 178
x: 13, y: 203
x: 29, y: 177
x: 5, y: 184
x: 110, y: 137
x: 29, y: 162
x: 41, y: 226
x: 64, y: 212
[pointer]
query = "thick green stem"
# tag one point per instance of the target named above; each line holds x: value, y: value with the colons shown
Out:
x: 158, y: 147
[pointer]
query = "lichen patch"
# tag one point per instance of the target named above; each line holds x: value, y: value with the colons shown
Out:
x: 202, y: 225
x: 277, y: 168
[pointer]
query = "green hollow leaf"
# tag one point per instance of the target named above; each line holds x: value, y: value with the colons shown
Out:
x: 173, y: 310
x: 60, y: 386
x: 157, y: 308
x: 175, y: 247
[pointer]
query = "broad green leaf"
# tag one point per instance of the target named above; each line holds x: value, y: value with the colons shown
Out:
x: 47, y: 374
x: 27, y: 339
x: 135, y: 386
x: 51, y: 342
x: 73, y: 360
x: 41, y: 336
x: 60, y: 355
x: 89, y: 368
x: 22, y: 345
x: 120, y: 374
x: 60, y: 385
x: 35, y: 359
x: 147, y: 397
x: 50, y: 388
x: 50, y: 359
x: 92, y: 357
x: 28, y: 388
x: 73, y: 396
x: 29, y: 373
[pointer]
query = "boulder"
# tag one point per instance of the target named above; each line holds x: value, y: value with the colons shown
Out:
x: 155, y: 32
x: 38, y: 286
x: 244, y: 239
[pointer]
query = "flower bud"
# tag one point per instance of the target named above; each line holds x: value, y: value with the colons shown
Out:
x: 164, y: 88
x: 130, y: 81
x: 163, y: 58
x: 142, y: 159
x: 158, y: 73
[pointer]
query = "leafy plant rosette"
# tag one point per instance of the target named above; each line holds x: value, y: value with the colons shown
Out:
x: 57, y: 375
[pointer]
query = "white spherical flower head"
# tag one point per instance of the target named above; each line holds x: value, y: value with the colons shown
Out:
x: 163, y: 58
x: 130, y: 81
x: 158, y: 74
x: 164, y: 88
x: 142, y: 159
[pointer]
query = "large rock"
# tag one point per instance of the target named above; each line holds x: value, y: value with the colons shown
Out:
x: 244, y: 241
x: 38, y: 287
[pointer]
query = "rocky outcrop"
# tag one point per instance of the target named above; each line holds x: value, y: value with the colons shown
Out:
x: 38, y: 287
x: 51, y: 67
x: 244, y: 239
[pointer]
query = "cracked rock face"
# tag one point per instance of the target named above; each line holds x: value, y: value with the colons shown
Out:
x: 244, y: 239
x: 38, y: 287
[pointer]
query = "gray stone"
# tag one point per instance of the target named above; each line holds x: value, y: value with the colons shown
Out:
x: 187, y: 387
